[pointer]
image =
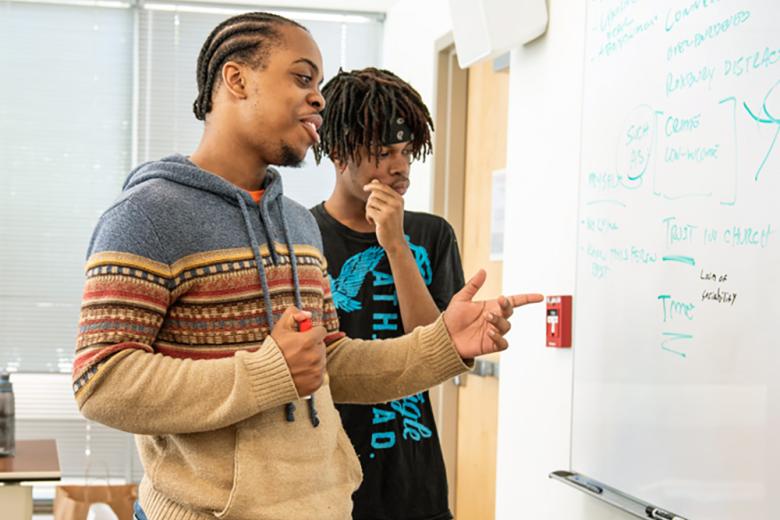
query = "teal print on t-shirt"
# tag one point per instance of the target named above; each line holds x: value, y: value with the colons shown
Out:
x: 345, y: 288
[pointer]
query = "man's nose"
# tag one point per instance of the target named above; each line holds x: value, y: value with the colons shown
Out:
x: 317, y: 100
x: 401, y: 166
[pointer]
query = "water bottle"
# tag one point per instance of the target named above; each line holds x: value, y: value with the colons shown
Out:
x: 7, y: 426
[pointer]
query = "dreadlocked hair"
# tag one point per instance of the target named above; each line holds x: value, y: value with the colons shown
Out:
x: 358, y: 107
x: 247, y: 39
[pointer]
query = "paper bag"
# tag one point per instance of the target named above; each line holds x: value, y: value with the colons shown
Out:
x: 72, y: 502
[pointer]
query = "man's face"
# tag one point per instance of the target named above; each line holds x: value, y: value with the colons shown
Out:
x: 281, y: 116
x: 391, y: 170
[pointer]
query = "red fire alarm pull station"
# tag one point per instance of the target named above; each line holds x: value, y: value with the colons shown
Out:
x: 559, y: 321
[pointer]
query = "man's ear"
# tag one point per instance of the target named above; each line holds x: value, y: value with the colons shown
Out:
x: 340, y: 166
x: 234, y: 79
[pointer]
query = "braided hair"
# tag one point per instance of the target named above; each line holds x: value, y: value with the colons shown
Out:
x: 359, y: 107
x: 246, y: 38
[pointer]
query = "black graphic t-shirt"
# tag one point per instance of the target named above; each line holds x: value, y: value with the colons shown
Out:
x: 404, y: 475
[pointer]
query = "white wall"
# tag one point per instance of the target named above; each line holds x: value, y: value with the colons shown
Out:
x: 545, y: 97
x: 411, y: 29
x: 543, y: 161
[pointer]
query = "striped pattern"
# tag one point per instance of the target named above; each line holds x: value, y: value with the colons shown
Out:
x: 203, y: 306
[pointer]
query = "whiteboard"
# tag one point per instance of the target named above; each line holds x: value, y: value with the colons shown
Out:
x: 677, y: 360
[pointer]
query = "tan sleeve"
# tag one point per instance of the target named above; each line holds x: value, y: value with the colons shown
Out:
x: 141, y: 392
x: 376, y: 371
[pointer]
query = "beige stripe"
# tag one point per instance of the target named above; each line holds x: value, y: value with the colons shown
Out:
x: 197, y: 260
x: 211, y: 257
x: 127, y: 260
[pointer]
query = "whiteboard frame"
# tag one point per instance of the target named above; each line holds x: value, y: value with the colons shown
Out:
x: 608, y: 494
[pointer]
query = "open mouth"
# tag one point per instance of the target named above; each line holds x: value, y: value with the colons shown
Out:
x: 311, y: 124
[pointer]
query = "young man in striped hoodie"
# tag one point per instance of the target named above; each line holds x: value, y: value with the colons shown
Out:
x: 199, y: 280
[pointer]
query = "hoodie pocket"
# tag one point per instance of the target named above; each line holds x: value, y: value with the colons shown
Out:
x: 291, y: 469
x: 195, y: 469
x: 355, y: 472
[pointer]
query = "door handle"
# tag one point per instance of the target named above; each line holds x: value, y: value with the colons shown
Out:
x: 485, y: 368
x: 482, y: 368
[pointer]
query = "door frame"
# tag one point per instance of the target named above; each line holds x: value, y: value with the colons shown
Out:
x: 447, y: 201
x: 449, y: 158
x: 453, y: 173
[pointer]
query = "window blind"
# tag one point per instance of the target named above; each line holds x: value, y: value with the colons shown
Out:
x: 89, y: 90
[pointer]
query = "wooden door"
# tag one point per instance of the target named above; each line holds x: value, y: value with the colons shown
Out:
x: 471, y: 121
x: 488, y: 103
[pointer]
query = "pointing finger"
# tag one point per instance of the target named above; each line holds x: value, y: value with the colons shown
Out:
x: 519, y: 300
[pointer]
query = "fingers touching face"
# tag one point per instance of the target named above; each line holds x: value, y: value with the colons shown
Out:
x: 392, y: 170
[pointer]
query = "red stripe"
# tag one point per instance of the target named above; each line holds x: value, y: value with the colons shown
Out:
x: 117, y: 294
x: 137, y: 321
x: 215, y: 318
x: 200, y: 354
x: 257, y: 312
x: 212, y: 332
x: 331, y: 338
x: 222, y: 292
x: 88, y: 359
x: 301, y: 282
x: 273, y: 284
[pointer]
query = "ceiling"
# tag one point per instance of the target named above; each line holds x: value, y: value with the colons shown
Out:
x: 374, y: 6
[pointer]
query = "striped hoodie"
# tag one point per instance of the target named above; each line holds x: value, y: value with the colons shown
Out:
x: 185, y: 278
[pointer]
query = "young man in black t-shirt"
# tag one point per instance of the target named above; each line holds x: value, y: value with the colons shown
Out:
x: 391, y: 270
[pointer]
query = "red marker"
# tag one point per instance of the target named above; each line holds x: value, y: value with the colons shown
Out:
x: 304, y: 325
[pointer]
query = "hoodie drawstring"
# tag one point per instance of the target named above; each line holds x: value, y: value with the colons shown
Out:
x: 269, y: 314
x: 315, y: 420
x: 264, y: 220
x: 289, y: 407
x: 293, y: 258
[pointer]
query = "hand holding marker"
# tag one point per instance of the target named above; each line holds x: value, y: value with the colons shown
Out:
x: 303, y: 326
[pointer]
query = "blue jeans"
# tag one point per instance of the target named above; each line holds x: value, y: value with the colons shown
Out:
x: 138, y: 513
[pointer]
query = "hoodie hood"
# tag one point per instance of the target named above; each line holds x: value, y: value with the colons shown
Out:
x: 255, y: 216
x: 179, y: 169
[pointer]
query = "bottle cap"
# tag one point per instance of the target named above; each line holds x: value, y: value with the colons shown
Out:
x: 5, y: 382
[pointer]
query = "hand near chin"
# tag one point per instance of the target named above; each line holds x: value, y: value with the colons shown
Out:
x: 385, y: 210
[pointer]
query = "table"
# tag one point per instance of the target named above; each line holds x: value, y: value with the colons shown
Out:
x: 34, y: 460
